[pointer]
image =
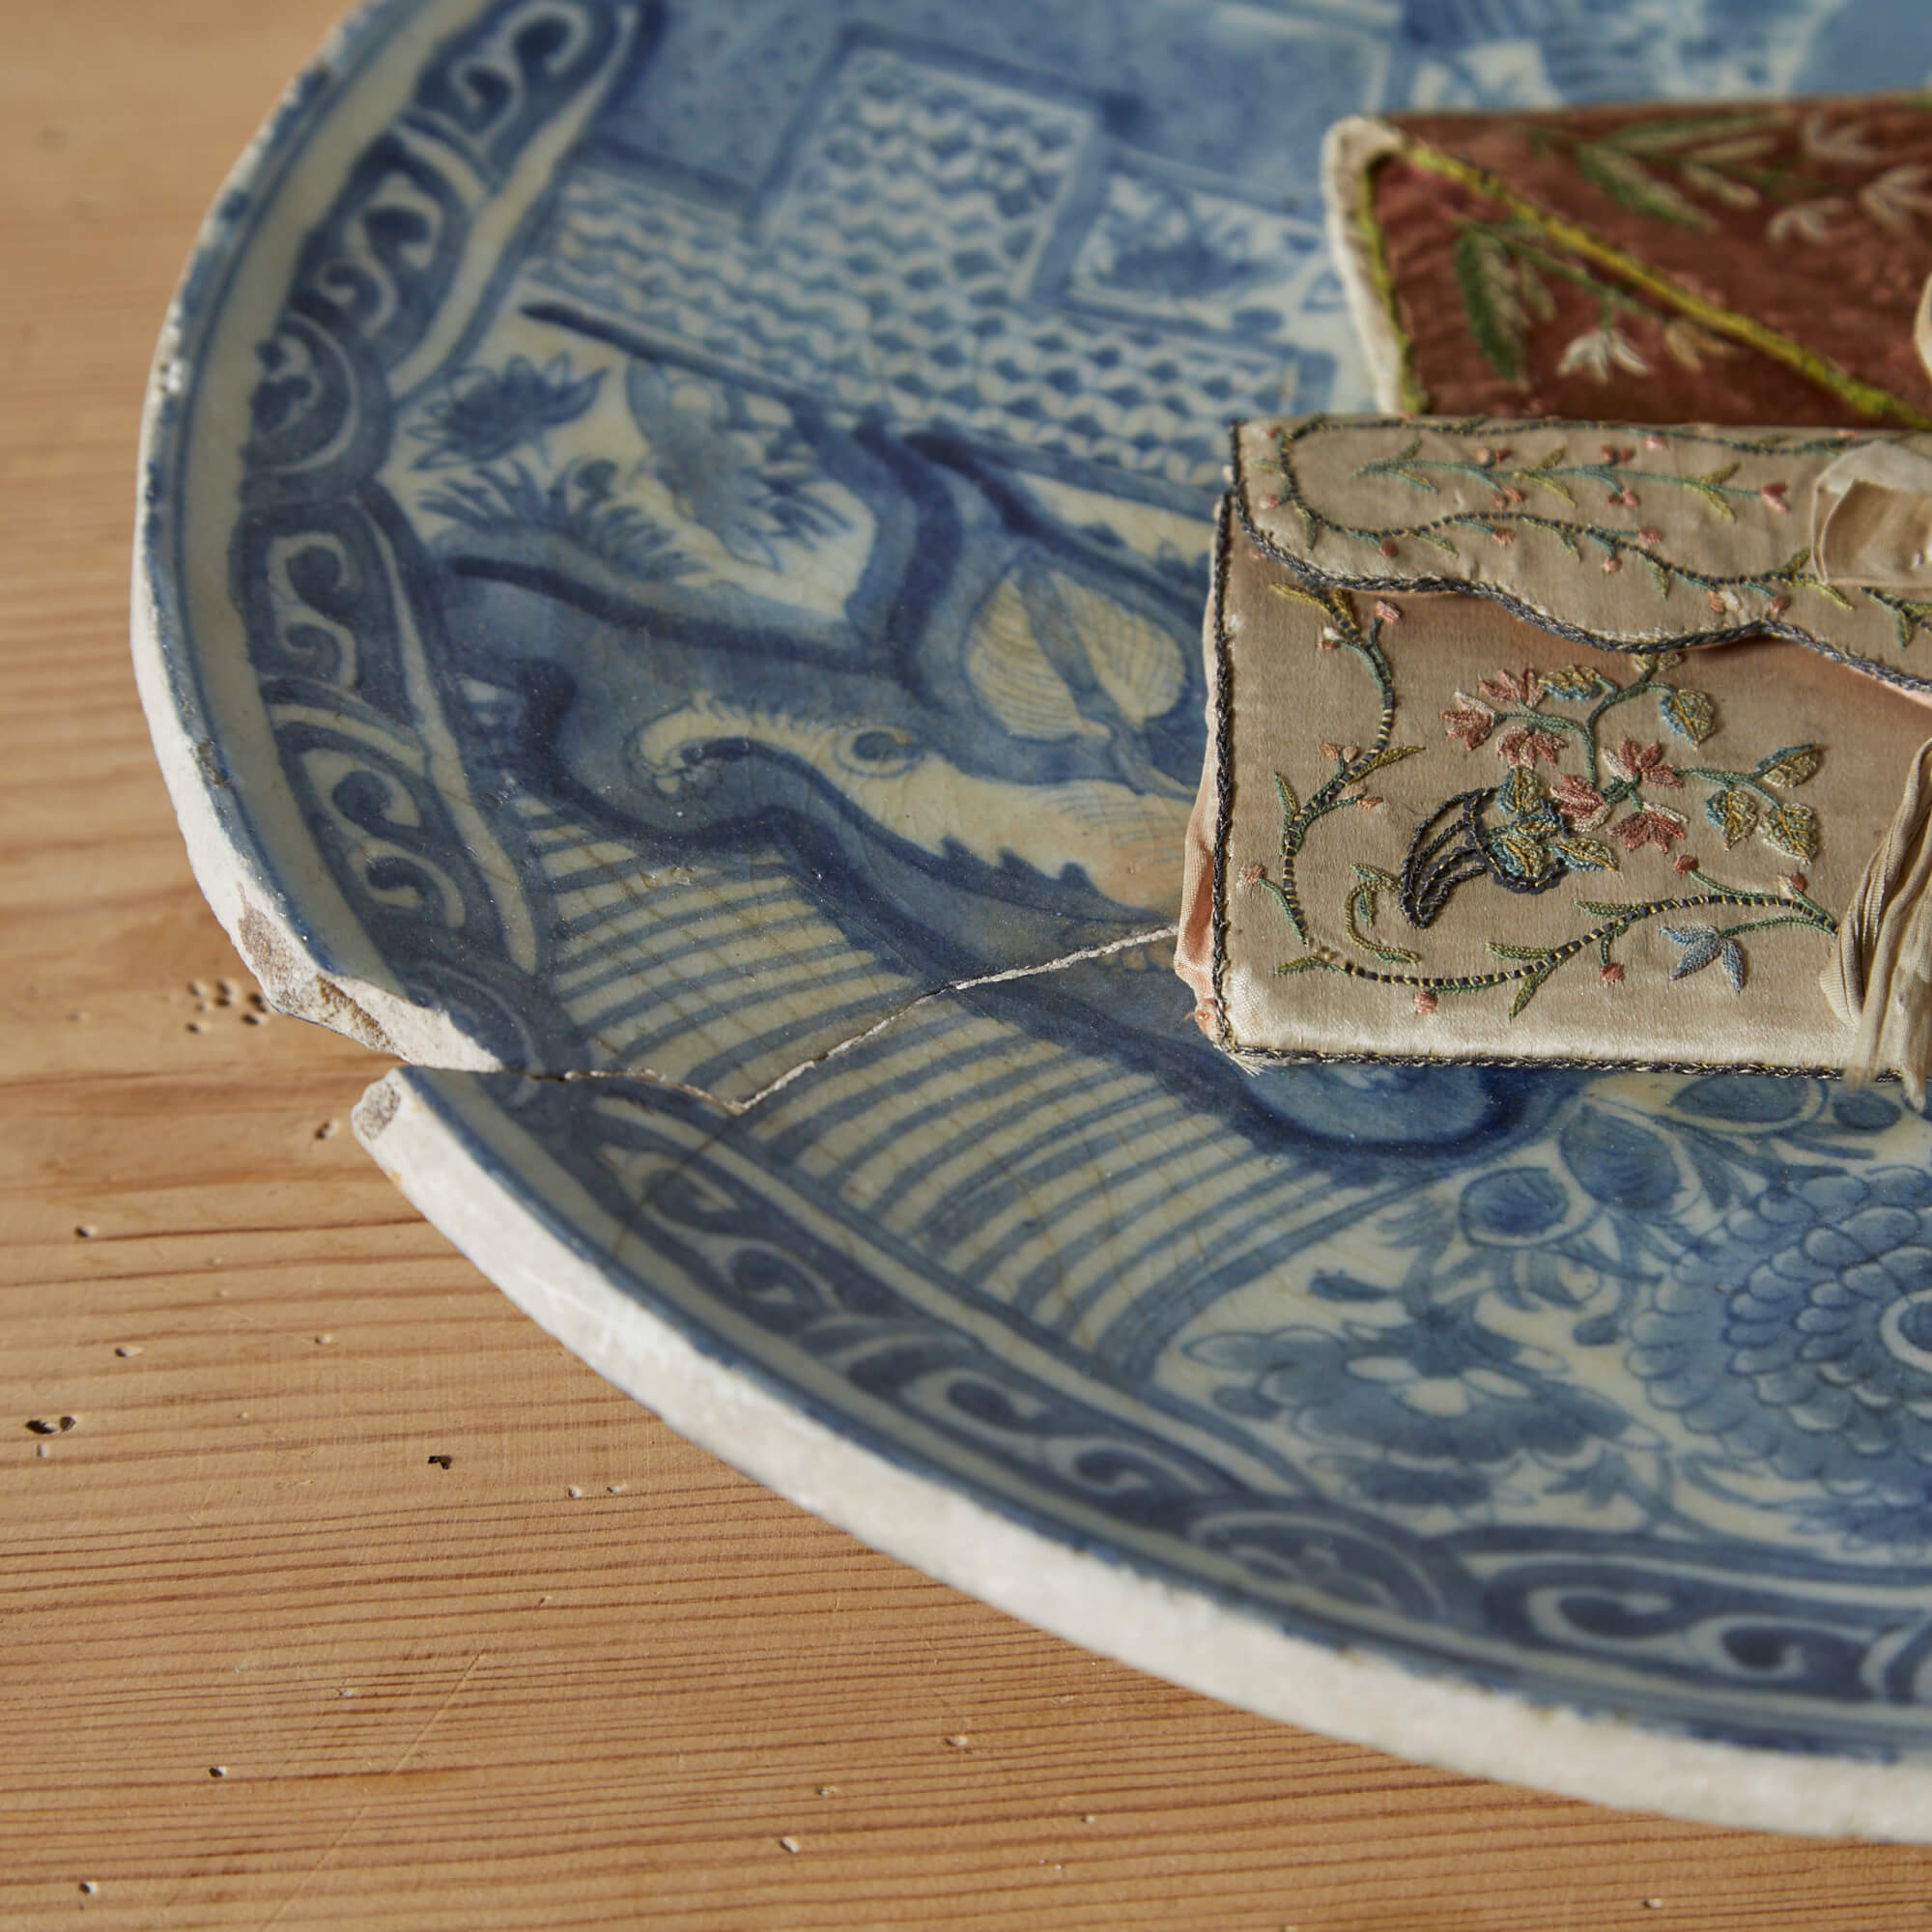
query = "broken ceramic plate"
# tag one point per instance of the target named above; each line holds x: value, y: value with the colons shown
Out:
x: 673, y: 552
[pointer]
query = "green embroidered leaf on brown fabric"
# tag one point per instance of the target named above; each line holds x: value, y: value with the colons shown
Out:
x: 1487, y: 277
x: 1735, y: 134
x: 1620, y: 175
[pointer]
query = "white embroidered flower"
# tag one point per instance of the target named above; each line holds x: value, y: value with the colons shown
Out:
x: 1692, y: 345
x: 1896, y: 196
x: 1596, y: 350
x: 1809, y: 219
x: 1846, y: 144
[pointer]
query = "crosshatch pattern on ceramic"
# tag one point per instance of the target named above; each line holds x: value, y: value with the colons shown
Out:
x: 708, y: 563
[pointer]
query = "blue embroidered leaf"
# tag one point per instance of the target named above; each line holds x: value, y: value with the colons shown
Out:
x: 1733, y: 957
x: 1700, y: 945
x: 1691, y: 714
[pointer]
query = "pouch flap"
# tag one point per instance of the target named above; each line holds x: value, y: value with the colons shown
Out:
x: 1628, y: 538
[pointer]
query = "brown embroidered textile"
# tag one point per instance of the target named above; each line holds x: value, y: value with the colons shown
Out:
x: 1664, y: 262
x: 1547, y: 742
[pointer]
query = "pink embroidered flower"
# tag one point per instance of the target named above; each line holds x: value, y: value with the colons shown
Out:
x: 1656, y: 442
x: 1524, y: 746
x: 1484, y: 458
x: 1471, y: 721
x: 1716, y: 603
x: 1252, y: 875
x: 1612, y: 975
x: 1652, y: 826
x: 1649, y: 538
x: 1611, y: 565
x: 1626, y: 498
x: 1773, y: 495
x: 1684, y: 862
x: 1506, y: 688
x: 1369, y: 801
x: 1426, y: 1003
x: 1642, y: 764
x: 1387, y: 613
x: 1328, y: 640
x: 1389, y: 547
x: 1579, y: 802
x: 1792, y: 884
x: 1503, y: 538
x: 1270, y: 502
x: 1780, y: 605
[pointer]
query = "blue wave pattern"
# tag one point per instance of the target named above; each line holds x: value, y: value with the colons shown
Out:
x: 1614, y: 1389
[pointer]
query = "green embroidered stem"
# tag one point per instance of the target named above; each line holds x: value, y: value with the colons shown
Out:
x: 1867, y: 397
x: 1352, y: 768
x: 1616, y: 543
x: 1548, y: 474
x: 1533, y: 966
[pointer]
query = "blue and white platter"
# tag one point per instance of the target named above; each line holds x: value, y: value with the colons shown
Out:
x: 674, y: 537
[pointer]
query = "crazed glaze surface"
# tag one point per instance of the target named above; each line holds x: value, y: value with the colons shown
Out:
x: 700, y: 587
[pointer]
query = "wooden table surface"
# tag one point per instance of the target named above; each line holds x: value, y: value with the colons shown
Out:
x: 266, y: 1661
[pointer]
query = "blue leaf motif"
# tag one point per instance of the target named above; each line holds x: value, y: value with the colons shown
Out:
x: 1332, y: 1286
x: 1733, y: 957
x: 1619, y: 1163
x: 1751, y: 1100
x: 1701, y: 945
x: 1516, y: 1205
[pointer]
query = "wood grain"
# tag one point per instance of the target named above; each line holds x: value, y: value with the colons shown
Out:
x: 457, y: 1697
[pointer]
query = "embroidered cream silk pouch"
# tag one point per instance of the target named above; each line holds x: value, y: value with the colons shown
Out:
x: 1567, y: 742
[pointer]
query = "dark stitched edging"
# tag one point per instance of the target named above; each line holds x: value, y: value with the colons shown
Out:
x: 1224, y: 769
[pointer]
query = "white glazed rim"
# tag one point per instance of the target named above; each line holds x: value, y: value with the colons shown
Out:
x: 1184, y: 1636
